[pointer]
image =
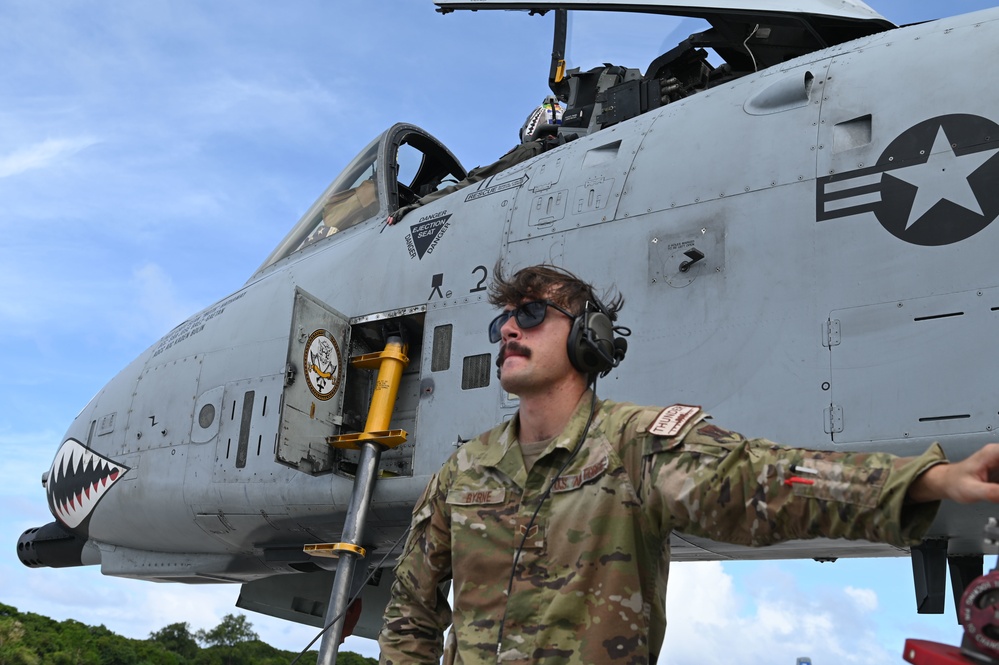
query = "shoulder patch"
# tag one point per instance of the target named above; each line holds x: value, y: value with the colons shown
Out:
x: 671, y: 420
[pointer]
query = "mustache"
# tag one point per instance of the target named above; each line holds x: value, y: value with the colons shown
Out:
x: 512, y: 346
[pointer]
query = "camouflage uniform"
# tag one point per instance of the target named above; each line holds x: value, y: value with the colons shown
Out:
x: 590, y: 583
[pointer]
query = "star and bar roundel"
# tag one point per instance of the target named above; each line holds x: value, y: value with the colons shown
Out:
x: 936, y: 184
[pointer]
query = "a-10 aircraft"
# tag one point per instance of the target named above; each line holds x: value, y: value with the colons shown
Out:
x: 801, y: 225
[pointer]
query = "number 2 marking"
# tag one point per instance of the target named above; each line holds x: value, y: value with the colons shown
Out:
x: 485, y: 276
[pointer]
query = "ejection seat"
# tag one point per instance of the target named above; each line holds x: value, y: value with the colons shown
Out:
x: 587, y: 109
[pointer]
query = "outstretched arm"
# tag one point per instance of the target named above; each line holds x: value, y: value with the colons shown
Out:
x: 975, y: 478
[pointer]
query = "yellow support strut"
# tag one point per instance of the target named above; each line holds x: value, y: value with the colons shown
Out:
x: 390, y: 363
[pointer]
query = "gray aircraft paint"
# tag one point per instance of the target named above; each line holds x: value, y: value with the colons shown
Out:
x: 825, y: 313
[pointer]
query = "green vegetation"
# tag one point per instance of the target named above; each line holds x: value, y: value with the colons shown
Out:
x: 31, y: 639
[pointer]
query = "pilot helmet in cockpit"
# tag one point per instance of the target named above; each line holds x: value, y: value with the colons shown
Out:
x: 543, y: 120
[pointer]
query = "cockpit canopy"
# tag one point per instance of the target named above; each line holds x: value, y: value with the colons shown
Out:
x: 399, y: 166
x: 738, y: 38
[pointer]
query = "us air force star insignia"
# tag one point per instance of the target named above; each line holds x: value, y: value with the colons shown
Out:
x: 671, y: 420
x: 942, y: 178
x: 933, y: 185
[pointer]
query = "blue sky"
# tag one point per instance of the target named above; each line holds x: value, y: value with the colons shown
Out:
x: 151, y: 156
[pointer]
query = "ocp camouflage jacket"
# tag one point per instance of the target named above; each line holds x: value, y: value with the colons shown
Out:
x: 590, y: 580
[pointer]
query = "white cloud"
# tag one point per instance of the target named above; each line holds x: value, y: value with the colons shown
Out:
x: 241, y: 100
x: 200, y: 606
x: 150, y: 305
x: 26, y: 456
x: 774, y: 620
x: 712, y: 621
x: 104, y: 306
x: 866, y: 599
x: 41, y: 155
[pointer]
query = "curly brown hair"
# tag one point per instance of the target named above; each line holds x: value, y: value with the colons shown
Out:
x: 553, y: 283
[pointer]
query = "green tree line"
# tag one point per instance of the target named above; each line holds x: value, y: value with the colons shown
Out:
x: 32, y: 639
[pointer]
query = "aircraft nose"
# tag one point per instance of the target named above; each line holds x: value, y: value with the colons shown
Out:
x: 78, y: 480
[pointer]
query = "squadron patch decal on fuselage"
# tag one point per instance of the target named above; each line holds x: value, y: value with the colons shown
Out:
x: 322, y: 364
x: 933, y: 185
x: 426, y: 233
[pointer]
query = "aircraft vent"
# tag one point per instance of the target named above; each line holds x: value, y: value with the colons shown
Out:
x: 475, y: 371
x: 440, y: 361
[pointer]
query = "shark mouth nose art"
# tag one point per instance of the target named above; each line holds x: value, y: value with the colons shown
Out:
x: 78, y: 480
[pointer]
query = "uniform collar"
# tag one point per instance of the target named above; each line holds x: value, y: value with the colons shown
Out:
x: 503, y: 451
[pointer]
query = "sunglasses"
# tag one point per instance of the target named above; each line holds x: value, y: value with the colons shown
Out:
x: 529, y: 315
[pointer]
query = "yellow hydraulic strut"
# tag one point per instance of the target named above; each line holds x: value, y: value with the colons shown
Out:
x: 390, y: 363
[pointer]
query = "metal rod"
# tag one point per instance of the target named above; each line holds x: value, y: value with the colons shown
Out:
x: 390, y: 364
x: 353, y: 532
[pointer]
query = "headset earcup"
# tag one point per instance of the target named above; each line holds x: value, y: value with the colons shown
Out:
x: 591, y: 331
x: 574, y: 340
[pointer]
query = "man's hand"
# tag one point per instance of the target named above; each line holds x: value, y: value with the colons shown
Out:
x: 975, y: 478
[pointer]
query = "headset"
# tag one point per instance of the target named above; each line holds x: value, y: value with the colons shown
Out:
x: 595, y: 345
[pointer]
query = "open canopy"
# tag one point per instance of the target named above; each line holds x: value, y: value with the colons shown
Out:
x: 846, y: 10
x: 743, y: 38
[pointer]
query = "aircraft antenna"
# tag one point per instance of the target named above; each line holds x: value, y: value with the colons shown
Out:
x: 745, y: 45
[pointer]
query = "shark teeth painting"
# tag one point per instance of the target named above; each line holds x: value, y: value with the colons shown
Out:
x: 78, y: 480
